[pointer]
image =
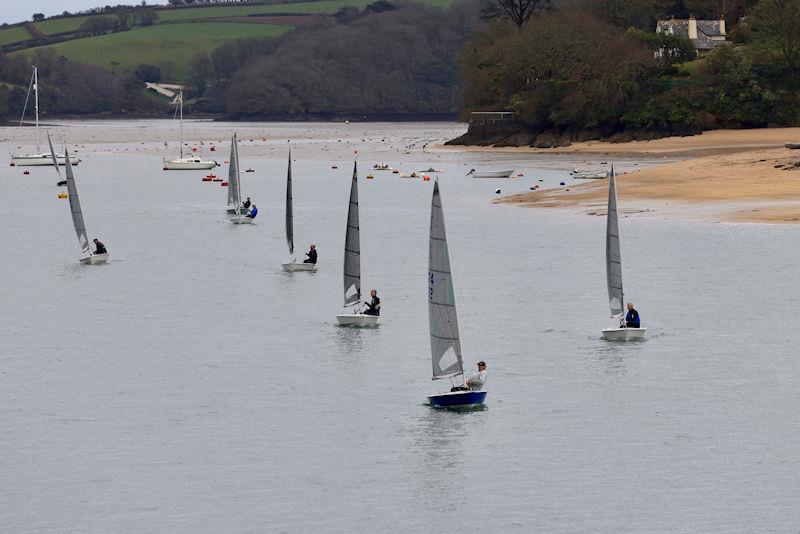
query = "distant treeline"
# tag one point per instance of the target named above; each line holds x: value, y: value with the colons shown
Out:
x: 71, y: 88
x: 389, y: 60
x: 598, y: 70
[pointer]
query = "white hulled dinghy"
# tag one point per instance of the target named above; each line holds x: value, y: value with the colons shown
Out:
x: 616, y: 298
x: 352, y: 264
x: 293, y: 265
x: 77, y: 218
x: 443, y: 319
x: 186, y: 163
x: 37, y: 159
x: 234, y: 188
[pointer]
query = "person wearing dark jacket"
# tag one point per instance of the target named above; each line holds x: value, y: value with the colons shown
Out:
x: 632, y: 319
x: 312, y: 255
x: 99, y: 248
x: 246, y: 204
x: 373, y: 307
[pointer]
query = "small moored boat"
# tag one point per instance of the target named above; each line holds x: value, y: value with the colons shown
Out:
x: 505, y: 173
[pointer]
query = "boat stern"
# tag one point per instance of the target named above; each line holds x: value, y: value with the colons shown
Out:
x: 458, y: 399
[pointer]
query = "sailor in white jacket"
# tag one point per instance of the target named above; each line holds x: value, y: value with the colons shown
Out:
x: 478, y: 380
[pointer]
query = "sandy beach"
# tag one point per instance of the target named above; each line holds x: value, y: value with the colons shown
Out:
x: 731, y: 176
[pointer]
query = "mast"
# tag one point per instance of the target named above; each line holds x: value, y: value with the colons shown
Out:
x: 36, y: 103
x: 180, y: 105
x: 352, y: 247
x: 289, y: 208
x: 443, y: 319
x: 613, y: 255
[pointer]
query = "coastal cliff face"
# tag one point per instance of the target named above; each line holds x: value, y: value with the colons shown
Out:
x: 503, y: 129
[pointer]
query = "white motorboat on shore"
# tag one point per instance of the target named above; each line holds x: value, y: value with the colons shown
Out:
x: 504, y: 173
x: 589, y: 175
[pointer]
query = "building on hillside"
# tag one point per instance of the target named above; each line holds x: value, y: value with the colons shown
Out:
x: 705, y: 35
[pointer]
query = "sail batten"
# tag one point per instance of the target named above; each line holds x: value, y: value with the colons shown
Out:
x: 352, y: 246
x: 75, y: 206
x: 613, y: 255
x: 289, y: 208
x: 442, y: 314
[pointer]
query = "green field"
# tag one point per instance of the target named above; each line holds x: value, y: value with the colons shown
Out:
x: 12, y: 35
x: 54, y: 26
x: 169, y: 46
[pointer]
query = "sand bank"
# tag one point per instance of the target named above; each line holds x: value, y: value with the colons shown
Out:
x: 752, y: 186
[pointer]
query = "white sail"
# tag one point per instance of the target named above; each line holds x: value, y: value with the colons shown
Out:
x: 234, y: 195
x: 613, y: 256
x: 352, y: 247
x: 75, y: 207
x: 53, y: 154
x: 289, y: 207
x: 445, y: 342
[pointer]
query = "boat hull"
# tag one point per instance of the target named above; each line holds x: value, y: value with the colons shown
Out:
x: 457, y: 399
x: 493, y: 174
x: 194, y: 165
x: 624, y: 334
x: 357, y: 319
x: 295, y: 267
x: 95, y: 259
x: 242, y: 219
x: 41, y: 160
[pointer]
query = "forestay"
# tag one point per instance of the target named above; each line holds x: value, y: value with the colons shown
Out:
x: 445, y: 342
x: 75, y: 206
x: 234, y: 196
x: 613, y: 256
x: 289, y: 208
x: 352, y: 247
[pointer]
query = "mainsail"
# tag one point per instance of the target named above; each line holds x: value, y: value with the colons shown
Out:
x: 445, y: 342
x: 234, y: 196
x: 75, y: 206
x: 613, y: 256
x: 53, y: 155
x: 352, y: 247
x: 289, y: 208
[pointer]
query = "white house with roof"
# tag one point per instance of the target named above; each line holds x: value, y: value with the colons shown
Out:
x: 705, y: 35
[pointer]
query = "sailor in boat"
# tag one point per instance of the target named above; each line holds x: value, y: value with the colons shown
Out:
x: 374, y: 306
x: 312, y: 255
x: 99, y: 248
x: 632, y: 318
x: 246, y: 204
x: 253, y: 211
x: 476, y: 381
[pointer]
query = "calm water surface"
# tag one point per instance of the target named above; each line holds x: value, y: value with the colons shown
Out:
x: 191, y: 386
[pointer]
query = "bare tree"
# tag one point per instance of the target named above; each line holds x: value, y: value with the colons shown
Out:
x: 517, y: 11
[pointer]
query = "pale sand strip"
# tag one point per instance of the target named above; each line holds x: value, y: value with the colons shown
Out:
x: 752, y: 186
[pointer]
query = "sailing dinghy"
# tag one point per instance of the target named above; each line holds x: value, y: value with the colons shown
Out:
x: 352, y: 264
x: 616, y: 298
x: 443, y: 319
x: 77, y: 218
x: 293, y: 265
x: 234, y: 188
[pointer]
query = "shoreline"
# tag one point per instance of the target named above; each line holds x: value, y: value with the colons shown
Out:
x: 735, y: 184
x: 709, y: 143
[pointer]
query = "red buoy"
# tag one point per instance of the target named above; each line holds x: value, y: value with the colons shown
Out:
x: 206, y: 179
x: 224, y: 184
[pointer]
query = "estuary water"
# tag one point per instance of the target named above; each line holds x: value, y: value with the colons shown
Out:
x: 192, y: 386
